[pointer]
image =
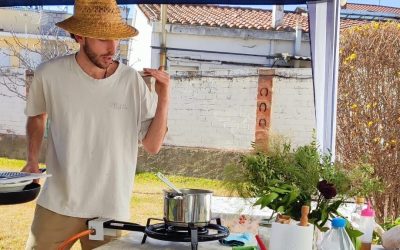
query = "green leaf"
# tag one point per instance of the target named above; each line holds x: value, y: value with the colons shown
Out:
x: 279, y: 190
x: 324, y: 229
x: 281, y: 209
x: 324, y: 216
x: 353, y: 234
x: 293, y: 197
x: 334, y: 206
x: 266, y: 200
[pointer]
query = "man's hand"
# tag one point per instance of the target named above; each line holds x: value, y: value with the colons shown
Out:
x: 162, y: 82
x: 158, y: 127
x: 35, y: 127
x: 32, y: 167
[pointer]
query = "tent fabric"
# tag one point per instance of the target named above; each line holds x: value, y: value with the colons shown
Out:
x: 7, y: 3
x: 324, y: 21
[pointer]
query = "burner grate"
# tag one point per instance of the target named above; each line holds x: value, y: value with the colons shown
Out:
x: 191, y: 233
x: 179, y: 230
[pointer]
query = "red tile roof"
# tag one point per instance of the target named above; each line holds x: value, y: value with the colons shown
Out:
x: 348, y: 23
x: 224, y: 16
x: 241, y: 18
x: 372, y: 8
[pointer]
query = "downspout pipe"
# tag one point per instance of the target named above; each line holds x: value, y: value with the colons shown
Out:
x: 163, y: 45
x: 297, y: 44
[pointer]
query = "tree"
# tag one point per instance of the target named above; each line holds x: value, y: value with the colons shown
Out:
x: 15, y: 79
x: 368, y: 119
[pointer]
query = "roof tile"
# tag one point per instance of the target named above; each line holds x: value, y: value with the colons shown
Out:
x: 246, y: 18
x: 372, y: 8
x: 224, y: 16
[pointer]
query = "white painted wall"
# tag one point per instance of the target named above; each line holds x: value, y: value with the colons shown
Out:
x: 5, y: 59
x: 217, y: 110
x: 292, y: 109
x: 139, y: 51
x: 12, y: 117
x: 29, y: 21
x: 249, y: 46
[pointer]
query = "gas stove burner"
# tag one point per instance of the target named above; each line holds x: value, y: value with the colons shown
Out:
x: 178, y: 230
x: 191, y: 233
x: 158, y: 231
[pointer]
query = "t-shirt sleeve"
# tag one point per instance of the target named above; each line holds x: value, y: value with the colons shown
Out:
x: 36, y: 103
x: 148, y: 107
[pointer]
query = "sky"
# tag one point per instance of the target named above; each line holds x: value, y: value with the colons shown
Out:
x: 393, y: 3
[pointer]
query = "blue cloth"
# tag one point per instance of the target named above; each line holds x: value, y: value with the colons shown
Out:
x: 237, y: 239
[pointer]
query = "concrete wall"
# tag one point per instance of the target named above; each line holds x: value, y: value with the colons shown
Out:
x: 186, y: 161
x: 30, y: 21
x: 213, y: 109
x: 217, y: 109
x: 212, y: 119
x: 223, y: 48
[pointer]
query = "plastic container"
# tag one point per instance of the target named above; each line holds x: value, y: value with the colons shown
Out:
x: 337, y: 238
x: 367, y: 225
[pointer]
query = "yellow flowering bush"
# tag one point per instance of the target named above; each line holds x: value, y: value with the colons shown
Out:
x: 369, y: 106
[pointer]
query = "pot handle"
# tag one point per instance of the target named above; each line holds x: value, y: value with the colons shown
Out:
x: 166, y: 181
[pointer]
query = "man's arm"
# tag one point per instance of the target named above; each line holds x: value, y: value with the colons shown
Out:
x: 35, y: 127
x: 156, y: 132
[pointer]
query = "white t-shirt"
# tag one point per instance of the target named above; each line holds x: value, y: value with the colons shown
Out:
x: 94, y: 129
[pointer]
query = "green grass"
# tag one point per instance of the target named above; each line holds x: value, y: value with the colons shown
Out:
x: 13, y: 164
x: 147, y: 201
x: 149, y: 183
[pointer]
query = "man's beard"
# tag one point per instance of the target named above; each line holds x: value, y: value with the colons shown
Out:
x: 93, y: 57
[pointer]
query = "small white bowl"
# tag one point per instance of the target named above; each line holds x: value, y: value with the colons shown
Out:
x: 14, y: 187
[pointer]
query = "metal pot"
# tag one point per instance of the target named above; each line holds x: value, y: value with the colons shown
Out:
x: 193, y: 206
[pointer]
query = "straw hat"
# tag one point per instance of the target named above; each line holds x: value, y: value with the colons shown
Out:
x: 99, y: 19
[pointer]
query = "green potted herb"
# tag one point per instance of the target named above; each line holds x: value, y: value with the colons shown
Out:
x: 284, y: 179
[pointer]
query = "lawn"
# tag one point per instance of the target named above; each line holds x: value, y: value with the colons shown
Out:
x: 147, y: 201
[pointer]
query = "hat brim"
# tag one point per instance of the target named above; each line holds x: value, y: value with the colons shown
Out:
x: 106, y: 31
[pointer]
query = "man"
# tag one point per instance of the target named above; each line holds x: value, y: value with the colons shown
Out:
x: 98, y: 110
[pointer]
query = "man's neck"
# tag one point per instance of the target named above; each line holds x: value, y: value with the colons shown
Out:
x: 89, y: 68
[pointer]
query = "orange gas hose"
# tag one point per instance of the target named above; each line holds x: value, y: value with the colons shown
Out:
x: 71, y: 239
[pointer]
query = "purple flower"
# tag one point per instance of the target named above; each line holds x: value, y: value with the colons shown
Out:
x: 327, y: 190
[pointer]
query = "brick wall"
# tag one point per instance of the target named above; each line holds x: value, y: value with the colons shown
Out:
x: 222, y: 109
x: 213, y: 109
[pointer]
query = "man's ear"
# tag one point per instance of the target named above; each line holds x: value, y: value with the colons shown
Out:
x: 79, y: 39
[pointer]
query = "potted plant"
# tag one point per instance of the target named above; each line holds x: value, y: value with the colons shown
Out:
x: 284, y: 179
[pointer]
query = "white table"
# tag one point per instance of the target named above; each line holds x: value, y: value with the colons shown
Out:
x: 133, y: 241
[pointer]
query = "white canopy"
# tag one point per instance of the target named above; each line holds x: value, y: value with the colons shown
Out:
x: 324, y: 31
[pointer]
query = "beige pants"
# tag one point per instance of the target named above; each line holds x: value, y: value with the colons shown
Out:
x: 50, y: 229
